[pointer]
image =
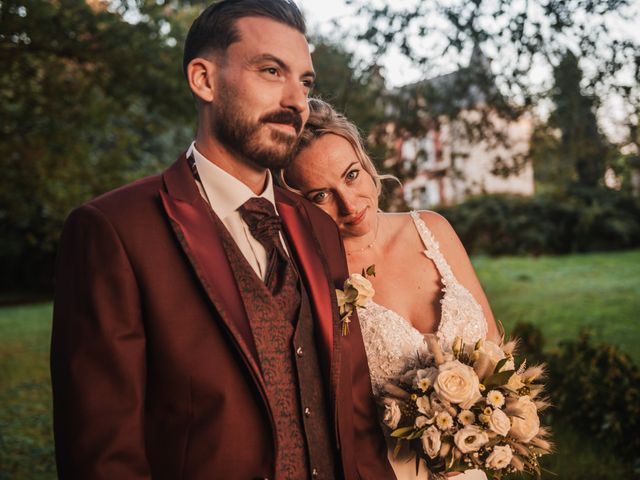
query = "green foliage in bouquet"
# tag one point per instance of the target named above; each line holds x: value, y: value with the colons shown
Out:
x: 596, y: 388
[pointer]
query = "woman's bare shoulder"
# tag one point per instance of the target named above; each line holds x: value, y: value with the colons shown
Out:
x: 438, y: 225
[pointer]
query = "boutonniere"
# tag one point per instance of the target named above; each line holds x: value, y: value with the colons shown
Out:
x: 356, y: 292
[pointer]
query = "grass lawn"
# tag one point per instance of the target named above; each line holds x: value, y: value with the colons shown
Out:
x: 561, y: 295
x: 26, y: 438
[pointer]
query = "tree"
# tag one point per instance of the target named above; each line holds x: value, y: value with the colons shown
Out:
x: 582, y: 145
x: 514, y: 38
x: 88, y: 101
x: 353, y: 88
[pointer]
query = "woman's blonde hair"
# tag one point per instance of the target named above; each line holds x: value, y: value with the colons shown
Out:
x: 323, y: 120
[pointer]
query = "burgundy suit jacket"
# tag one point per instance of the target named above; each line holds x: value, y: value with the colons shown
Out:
x: 153, y: 369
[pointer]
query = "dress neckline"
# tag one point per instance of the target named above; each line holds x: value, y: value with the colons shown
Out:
x: 450, y: 285
x: 404, y: 319
x: 432, y: 249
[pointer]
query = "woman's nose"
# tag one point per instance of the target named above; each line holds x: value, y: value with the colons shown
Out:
x: 346, y: 203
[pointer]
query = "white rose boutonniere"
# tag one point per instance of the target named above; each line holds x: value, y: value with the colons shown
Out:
x: 356, y: 292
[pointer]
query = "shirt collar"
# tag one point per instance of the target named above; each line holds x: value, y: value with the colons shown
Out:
x: 224, y: 191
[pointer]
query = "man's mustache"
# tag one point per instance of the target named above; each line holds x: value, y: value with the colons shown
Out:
x: 287, y: 117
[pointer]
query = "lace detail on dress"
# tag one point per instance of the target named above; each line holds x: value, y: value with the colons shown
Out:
x: 392, y: 343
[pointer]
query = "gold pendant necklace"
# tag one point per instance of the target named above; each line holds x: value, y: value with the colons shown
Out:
x: 369, y: 245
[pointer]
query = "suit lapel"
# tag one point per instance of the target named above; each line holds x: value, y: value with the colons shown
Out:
x: 315, y: 276
x: 192, y: 222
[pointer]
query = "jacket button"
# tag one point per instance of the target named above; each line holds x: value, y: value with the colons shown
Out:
x: 307, y: 412
x: 299, y: 351
x: 315, y: 473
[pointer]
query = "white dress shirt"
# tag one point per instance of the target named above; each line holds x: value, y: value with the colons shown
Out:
x: 225, y: 193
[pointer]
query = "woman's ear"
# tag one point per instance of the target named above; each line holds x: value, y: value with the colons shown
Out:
x: 200, y: 75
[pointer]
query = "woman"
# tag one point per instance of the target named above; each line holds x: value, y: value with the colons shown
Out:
x: 424, y: 280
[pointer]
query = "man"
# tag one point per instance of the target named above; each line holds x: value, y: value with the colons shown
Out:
x: 195, y: 330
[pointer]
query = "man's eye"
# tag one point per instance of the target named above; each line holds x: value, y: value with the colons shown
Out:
x: 353, y: 174
x: 271, y: 70
x: 319, y: 197
x: 308, y: 84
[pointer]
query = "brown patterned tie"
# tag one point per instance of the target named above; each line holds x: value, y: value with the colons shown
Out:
x: 265, y: 226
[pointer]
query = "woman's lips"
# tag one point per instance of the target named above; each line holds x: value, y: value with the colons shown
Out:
x: 358, y: 218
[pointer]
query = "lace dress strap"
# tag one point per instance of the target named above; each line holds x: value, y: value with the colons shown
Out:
x: 462, y: 315
x: 433, y: 250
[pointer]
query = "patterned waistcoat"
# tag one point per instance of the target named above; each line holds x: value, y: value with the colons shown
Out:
x: 282, y: 328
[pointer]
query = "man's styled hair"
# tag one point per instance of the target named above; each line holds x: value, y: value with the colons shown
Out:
x: 215, y: 29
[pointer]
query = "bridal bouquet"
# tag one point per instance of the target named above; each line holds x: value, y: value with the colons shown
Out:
x: 469, y: 407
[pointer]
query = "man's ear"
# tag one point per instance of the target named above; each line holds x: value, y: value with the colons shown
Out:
x: 201, y: 75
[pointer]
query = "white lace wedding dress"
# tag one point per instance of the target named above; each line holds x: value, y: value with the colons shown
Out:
x: 391, y: 342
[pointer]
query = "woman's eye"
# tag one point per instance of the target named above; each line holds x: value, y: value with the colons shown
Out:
x: 319, y: 197
x: 353, y: 174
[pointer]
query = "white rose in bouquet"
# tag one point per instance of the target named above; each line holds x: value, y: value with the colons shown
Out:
x: 392, y: 414
x: 499, y: 422
x: 470, y: 439
x: 457, y: 383
x: 525, y: 421
x: 500, y: 457
x: 494, y: 353
x: 431, y: 441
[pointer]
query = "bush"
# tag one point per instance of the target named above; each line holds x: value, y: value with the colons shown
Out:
x: 596, y: 389
x: 530, y: 341
x: 580, y: 221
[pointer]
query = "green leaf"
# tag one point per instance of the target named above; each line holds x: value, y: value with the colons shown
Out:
x: 402, y: 432
x: 397, y: 448
x: 500, y: 364
x: 417, y: 434
x: 498, y: 379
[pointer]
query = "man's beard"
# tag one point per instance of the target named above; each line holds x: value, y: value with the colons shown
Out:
x: 237, y: 132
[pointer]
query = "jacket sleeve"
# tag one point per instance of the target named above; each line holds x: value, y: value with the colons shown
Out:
x: 98, y: 365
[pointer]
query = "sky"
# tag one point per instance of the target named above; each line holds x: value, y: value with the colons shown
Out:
x: 320, y: 13
x: 400, y: 71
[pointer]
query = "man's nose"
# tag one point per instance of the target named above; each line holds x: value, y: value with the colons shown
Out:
x: 295, y: 96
